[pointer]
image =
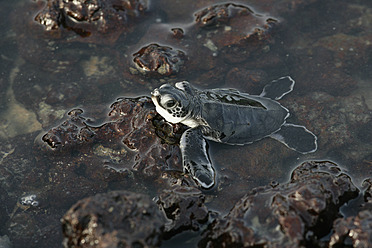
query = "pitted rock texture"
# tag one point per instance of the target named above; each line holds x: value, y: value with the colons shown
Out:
x: 134, y: 138
x: 91, y: 19
x: 235, y: 30
x: 115, y: 219
x: 355, y: 231
x: 288, y: 215
x: 156, y: 60
x: 184, y: 207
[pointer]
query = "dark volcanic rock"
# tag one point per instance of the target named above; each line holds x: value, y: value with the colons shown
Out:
x: 184, y: 207
x: 355, y: 231
x: 236, y: 29
x: 97, y: 21
x: 73, y: 131
x: 115, y: 219
x: 288, y: 215
x: 219, y: 35
x: 158, y: 60
x: 134, y: 139
x: 368, y: 192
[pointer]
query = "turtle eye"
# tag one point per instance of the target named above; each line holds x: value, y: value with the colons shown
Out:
x: 170, y: 103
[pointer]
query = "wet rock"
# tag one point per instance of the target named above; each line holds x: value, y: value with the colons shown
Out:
x: 289, y: 215
x: 368, y: 191
x: 126, y: 142
x: 114, y: 219
x: 178, y: 33
x: 156, y: 60
x: 184, y: 207
x: 220, y: 34
x: 31, y: 39
x: 134, y: 120
x: 234, y: 30
x: 355, y: 231
x: 73, y: 131
x: 95, y: 21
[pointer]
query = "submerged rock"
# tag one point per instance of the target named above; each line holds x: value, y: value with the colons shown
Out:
x: 235, y: 30
x: 97, y: 21
x: 184, y: 207
x: 355, y: 231
x: 114, y: 219
x: 134, y: 139
x: 288, y: 215
x: 159, y: 60
x: 220, y: 34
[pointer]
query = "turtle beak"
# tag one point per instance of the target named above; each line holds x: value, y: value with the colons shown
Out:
x: 155, y: 92
x: 155, y: 95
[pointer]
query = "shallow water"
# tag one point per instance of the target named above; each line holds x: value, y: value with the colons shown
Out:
x: 325, y: 47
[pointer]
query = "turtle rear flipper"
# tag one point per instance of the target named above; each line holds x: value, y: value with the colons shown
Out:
x: 297, y: 138
x: 278, y: 88
x: 195, y: 157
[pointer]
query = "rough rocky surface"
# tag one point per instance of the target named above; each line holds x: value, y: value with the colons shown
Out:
x: 95, y: 21
x: 158, y: 60
x: 115, y: 219
x: 184, y: 207
x: 236, y: 29
x: 324, y: 45
x: 127, y: 142
x: 355, y: 231
x: 221, y: 34
x: 289, y: 215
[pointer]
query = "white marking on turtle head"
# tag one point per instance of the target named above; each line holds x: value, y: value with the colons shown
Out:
x: 181, y: 85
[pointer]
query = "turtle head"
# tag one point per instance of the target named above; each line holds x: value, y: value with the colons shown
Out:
x: 173, y: 102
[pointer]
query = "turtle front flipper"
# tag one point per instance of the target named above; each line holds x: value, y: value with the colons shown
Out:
x: 297, y: 138
x: 278, y: 88
x: 195, y: 157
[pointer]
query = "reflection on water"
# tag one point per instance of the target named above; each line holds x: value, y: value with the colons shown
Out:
x: 324, y: 46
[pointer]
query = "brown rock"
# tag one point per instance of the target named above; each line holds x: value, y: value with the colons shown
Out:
x: 156, y: 60
x: 184, y: 207
x: 94, y: 21
x: 114, y: 219
x: 287, y: 215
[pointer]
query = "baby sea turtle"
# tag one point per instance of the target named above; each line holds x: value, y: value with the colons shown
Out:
x: 228, y: 116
